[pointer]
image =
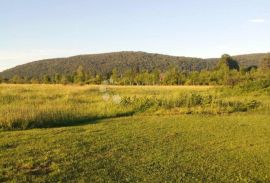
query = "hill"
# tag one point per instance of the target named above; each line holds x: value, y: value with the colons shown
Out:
x: 249, y: 59
x: 104, y: 63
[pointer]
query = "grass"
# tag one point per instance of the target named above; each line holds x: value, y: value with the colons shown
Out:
x: 187, y: 148
x: 55, y: 133
x: 30, y: 106
x: 36, y: 106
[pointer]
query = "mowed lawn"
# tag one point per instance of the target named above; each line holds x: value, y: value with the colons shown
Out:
x: 179, y: 148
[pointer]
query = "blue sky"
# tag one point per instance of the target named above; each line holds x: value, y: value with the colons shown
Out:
x: 36, y: 29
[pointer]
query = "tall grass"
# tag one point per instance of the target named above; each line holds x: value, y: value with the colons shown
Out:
x: 191, y: 103
x: 31, y: 106
x: 23, y: 107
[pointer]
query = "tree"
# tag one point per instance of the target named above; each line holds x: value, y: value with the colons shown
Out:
x: 265, y: 63
x: 226, y: 62
x: 139, y: 79
x: 46, y: 79
x: 129, y: 77
x: 148, y: 78
x: 115, y: 76
x: 192, y: 78
x: 66, y: 79
x: 16, y: 79
x: 214, y: 78
x: 57, y: 78
x: 98, y: 79
x: 181, y: 78
x: 204, y: 78
x: 225, y: 68
x: 94, y: 80
x: 231, y: 78
x: 156, y: 76
x: 171, y: 76
x: 80, y: 75
x: 249, y: 69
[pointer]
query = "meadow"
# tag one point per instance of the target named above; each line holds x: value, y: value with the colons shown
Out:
x: 41, y: 106
x: 69, y: 133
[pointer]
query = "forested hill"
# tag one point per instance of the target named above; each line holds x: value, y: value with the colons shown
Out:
x: 103, y: 64
x: 249, y: 59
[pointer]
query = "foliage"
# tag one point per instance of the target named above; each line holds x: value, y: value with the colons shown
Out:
x: 255, y: 85
x: 227, y: 63
x: 226, y: 73
x: 104, y: 64
x: 190, y: 103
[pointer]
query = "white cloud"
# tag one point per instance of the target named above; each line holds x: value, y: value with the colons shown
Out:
x: 258, y: 20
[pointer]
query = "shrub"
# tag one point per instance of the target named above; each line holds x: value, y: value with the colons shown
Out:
x: 255, y: 85
x: 190, y: 102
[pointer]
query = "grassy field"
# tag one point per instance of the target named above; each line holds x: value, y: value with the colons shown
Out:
x: 32, y: 106
x: 55, y: 133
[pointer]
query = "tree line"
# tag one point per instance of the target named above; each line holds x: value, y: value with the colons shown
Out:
x: 227, y: 72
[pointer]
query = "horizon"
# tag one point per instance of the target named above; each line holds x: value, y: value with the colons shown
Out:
x: 42, y: 30
x: 127, y: 51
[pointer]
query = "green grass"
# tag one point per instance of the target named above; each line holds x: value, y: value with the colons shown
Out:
x: 187, y: 148
x: 153, y: 134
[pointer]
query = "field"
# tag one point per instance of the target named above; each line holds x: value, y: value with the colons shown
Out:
x: 56, y: 133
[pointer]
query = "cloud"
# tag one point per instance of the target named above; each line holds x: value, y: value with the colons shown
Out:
x: 258, y: 20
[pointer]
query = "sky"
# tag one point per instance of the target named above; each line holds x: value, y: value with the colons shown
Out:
x: 35, y: 29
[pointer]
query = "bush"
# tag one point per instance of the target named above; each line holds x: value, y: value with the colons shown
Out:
x: 190, y: 102
x: 255, y: 85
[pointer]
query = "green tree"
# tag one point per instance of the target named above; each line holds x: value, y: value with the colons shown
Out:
x: 204, y: 78
x: 226, y: 62
x: 46, y: 79
x: 17, y: 79
x: 226, y: 66
x: 181, y: 78
x: 64, y: 80
x: 68, y: 78
x: 98, y: 79
x: 114, y: 76
x: 171, y: 76
x: 231, y: 78
x: 79, y: 75
x: 194, y: 78
x: 144, y: 78
x: 139, y: 78
x: 128, y: 78
x: 156, y: 77
x: 57, y: 78
x: 214, y: 77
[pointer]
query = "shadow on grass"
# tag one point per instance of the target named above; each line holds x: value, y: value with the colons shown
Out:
x: 79, y: 121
